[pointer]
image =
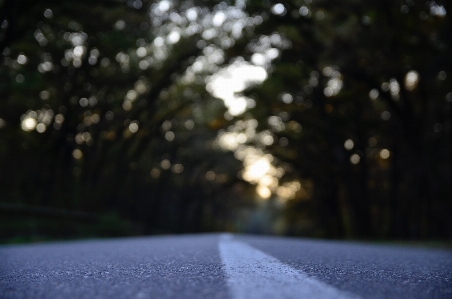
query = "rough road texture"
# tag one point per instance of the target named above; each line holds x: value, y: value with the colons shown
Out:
x: 191, y: 267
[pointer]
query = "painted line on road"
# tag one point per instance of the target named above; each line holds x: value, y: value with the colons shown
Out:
x: 254, y: 274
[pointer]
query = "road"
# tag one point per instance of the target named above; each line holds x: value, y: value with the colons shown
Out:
x: 222, y: 266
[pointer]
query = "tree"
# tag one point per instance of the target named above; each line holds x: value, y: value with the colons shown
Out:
x: 109, y: 107
x: 104, y: 112
x: 360, y: 103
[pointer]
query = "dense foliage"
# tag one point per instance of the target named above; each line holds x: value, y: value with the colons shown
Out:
x: 111, y: 120
x: 370, y: 86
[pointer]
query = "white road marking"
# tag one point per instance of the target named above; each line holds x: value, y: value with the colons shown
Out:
x: 254, y: 274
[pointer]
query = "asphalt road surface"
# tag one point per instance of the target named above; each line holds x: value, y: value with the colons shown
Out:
x: 222, y: 266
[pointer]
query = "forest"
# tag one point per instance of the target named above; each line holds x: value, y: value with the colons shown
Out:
x: 315, y: 118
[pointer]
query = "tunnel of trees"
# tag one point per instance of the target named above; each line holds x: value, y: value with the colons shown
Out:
x: 122, y: 117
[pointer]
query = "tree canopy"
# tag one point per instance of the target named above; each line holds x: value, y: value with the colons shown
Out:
x: 305, y: 117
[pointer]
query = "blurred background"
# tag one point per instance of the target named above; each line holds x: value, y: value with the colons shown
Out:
x: 326, y: 119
